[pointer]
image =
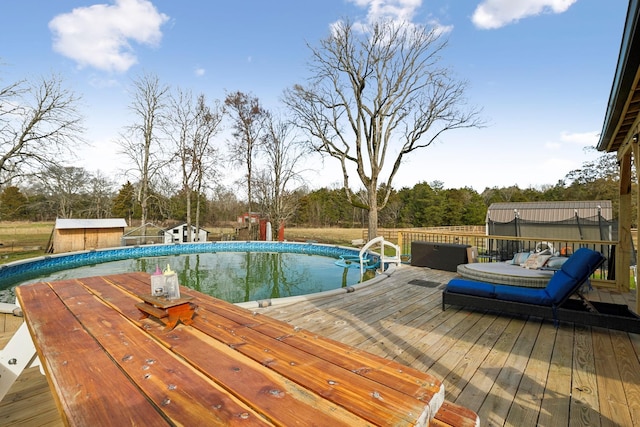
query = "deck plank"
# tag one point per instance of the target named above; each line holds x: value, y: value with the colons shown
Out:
x: 418, y: 333
x: 496, y: 406
x: 613, y: 402
x: 584, y: 408
x: 526, y: 405
x: 625, y: 357
x: 485, y: 377
x: 556, y: 399
x: 470, y: 361
x: 29, y: 402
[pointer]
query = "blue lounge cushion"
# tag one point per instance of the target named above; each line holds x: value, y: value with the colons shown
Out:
x: 561, y: 286
x: 469, y: 287
x: 521, y: 294
x: 573, y: 273
x: 582, y: 263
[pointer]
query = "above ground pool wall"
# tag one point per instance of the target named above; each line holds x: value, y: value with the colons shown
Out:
x: 20, y: 271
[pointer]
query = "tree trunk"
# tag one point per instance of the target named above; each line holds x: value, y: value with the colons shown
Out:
x: 143, y: 208
x: 373, y: 214
x: 199, y: 188
x: 190, y: 238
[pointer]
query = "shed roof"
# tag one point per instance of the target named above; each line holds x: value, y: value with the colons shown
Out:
x: 549, y: 211
x: 70, y: 223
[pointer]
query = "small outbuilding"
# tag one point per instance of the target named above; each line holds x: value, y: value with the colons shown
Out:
x: 180, y: 234
x: 571, y: 220
x: 575, y: 220
x: 84, y: 234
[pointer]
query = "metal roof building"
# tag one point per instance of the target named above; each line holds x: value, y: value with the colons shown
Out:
x: 587, y: 220
x: 549, y: 211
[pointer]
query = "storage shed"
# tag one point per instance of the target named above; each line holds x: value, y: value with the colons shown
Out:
x: 575, y: 220
x: 180, y: 234
x: 570, y: 220
x: 84, y: 234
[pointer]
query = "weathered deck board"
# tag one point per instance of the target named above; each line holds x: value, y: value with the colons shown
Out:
x: 511, y: 370
x: 528, y: 399
x: 584, y: 407
x: 555, y: 402
x: 613, y: 402
x: 503, y: 367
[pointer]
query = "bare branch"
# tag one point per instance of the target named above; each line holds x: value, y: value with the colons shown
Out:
x: 377, y: 95
x: 141, y: 142
x: 40, y: 127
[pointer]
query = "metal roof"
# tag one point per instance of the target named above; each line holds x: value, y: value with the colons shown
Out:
x: 549, y: 211
x: 623, y: 107
x: 70, y: 223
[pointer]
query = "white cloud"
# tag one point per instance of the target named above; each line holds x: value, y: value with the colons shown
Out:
x: 553, y: 146
x: 99, y: 36
x: 199, y: 71
x: 491, y: 14
x: 400, y: 10
x: 576, y: 139
x: 583, y: 139
x: 100, y: 82
x: 439, y: 28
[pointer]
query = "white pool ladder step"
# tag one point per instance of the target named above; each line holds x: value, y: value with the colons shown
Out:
x: 384, y: 259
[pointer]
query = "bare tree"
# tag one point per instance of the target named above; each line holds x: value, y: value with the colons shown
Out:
x: 247, y: 117
x: 39, y: 127
x: 141, y: 142
x: 191, y: 126
x: 101, y: 193
x: 375, y: 95
x: 65, y: 188
x: 280, y: 179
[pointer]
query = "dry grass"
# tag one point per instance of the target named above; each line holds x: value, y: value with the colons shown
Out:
x: 324, y: 235
x: 20, y: 240
x: 36, y: 230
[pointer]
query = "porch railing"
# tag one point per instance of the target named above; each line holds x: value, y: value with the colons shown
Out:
x: 502, y: 248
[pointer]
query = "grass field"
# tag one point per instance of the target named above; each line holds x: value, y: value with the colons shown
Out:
x: 19, y: 240
x: 342, y: 236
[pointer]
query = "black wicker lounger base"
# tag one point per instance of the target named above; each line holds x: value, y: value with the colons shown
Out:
x: 601, y: 314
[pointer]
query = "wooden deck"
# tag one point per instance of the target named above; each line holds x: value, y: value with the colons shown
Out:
x: 510, y: 370
x: 29, y: 402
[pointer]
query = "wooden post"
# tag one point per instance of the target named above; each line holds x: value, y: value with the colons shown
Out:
x: 623, y: 251
x: 636, y: 160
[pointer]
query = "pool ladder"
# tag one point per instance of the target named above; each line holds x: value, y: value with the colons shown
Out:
x: 384, y: 259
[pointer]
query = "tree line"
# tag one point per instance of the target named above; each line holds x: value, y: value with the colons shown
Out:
x: 74, y: 192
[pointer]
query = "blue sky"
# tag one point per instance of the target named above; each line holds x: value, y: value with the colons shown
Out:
x: 541, y: 70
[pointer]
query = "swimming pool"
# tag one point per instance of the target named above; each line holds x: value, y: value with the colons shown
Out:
x: 233, y: 271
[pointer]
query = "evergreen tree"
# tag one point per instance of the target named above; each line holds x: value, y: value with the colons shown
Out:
x: 124, y: 204
x: 13, y: 204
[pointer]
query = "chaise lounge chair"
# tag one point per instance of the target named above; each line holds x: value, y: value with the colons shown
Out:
x: 552, y: 302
